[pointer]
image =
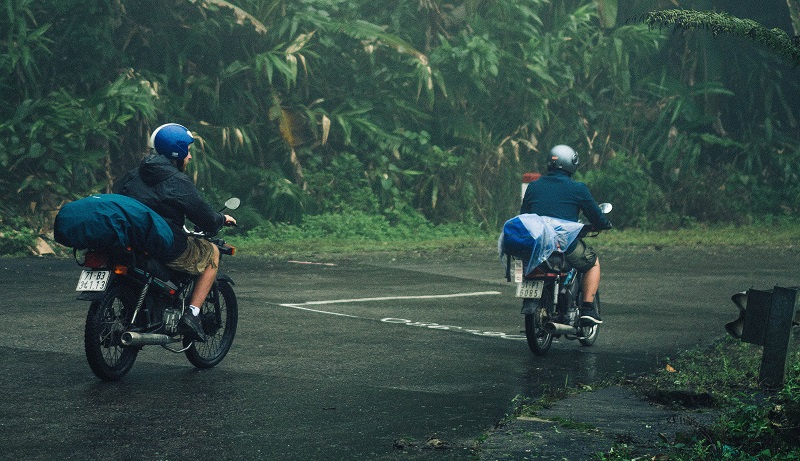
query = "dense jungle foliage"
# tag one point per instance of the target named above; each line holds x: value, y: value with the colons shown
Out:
x: 415, y: 111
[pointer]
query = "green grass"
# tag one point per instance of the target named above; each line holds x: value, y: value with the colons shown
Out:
x: 368, y: 234
x: 334, y: 234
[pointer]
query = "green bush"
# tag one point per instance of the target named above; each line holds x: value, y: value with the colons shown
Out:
x: 15, y: 238
x: 624, y: 182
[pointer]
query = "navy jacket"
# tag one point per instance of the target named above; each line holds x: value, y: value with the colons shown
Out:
x: 559, y: 196
x: 157, y: 183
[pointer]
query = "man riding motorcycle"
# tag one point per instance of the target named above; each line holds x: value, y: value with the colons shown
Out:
x: 557, y: 195
x: 160, y: 183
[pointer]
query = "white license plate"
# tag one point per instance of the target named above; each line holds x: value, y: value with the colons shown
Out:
x: 93, y: 281
x: 530, y: 289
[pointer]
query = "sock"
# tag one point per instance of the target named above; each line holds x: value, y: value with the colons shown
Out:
x: 195, y: 310
x: 587, y: 306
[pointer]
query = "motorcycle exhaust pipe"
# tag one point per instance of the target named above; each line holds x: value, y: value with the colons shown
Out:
x: 560, y: 329
x: 131, y: 338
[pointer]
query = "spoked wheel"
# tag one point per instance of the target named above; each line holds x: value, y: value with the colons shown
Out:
x: 539, y: 340
x: 220, y: 316
x: 106, y: 321
x: 589, y: 334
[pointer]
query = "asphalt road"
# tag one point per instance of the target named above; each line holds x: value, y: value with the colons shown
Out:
x: 346, y: 359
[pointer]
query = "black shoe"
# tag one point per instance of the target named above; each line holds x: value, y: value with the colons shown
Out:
x: 191, y: 326
x: 590, y: 317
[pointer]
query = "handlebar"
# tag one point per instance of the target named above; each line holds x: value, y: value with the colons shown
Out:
x: 224, y: 248
x: 589, y: 230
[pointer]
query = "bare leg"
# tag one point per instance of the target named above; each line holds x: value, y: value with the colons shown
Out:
x: 591, y: 282
x: 204, y: 282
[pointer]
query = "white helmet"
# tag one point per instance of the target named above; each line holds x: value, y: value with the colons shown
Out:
x: 563, y: 157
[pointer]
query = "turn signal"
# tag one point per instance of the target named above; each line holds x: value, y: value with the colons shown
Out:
x: 120, y: 270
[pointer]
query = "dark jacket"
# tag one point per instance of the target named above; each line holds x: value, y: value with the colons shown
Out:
x: 157, y: 183
x: 559, y: 196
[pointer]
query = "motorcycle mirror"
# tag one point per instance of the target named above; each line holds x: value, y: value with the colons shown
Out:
x: 606, y: 207
x: 232, y: 203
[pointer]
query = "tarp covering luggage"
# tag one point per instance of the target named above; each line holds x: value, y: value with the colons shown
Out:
x: 534, y: 238
x: 112, y: 221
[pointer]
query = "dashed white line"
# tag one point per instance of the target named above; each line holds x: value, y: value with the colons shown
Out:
x: 436, y: 326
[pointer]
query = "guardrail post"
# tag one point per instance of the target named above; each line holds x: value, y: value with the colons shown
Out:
x: 776, y: 339
x: 766, y: 319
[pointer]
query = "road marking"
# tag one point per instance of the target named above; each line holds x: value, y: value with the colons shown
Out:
x: 430, y: 325
x: 391, y: 298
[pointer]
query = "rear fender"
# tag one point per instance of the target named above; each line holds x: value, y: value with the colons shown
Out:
x: 225, y: 278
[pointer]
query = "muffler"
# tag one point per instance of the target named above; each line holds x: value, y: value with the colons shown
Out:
x: 560, y: 329
x: 131, y: 338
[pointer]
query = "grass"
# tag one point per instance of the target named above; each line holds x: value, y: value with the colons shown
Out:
x: 375, y: 235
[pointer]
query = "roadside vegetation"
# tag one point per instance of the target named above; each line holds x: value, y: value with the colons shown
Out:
x: 427, y: 111
x: 755, y: 424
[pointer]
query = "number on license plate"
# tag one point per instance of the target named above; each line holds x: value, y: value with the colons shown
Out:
x: 530, y: 289
x: 93, y: 281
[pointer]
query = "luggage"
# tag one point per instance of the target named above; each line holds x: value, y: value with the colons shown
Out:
x: 112, y: 221
x: 533, y: 238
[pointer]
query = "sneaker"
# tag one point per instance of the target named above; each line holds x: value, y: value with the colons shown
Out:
x: 590, y: 317
x: 191, y: 326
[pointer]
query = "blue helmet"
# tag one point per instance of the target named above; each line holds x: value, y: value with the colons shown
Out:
x: 171, y: 141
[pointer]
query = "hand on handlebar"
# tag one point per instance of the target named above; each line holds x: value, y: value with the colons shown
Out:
x: 230, y: 221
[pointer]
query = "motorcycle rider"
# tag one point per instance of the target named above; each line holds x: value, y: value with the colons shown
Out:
x: 160, y: 183
x: 557, y: 195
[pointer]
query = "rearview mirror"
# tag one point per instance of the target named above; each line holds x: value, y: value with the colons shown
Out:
x: 233, y: 203
x: 606, y: 207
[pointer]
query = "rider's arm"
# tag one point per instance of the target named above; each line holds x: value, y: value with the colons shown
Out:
x: 198, y: 211
x: 591, y: 210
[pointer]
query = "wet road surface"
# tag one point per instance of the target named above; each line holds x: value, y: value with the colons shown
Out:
x: 343, y: 358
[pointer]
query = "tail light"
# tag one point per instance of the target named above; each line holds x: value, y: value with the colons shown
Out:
x: 95, y: 260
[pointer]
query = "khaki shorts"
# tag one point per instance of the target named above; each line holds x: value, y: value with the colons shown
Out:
x: 198, y: 256
x: 582, y: 257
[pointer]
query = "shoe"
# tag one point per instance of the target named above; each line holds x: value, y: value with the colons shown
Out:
x: 191, y: 326
x: 590, y: 317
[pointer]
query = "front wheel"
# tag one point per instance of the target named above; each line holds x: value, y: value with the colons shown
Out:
x: 220, y: 314
x: 106, y: 321
x: 539, y: 340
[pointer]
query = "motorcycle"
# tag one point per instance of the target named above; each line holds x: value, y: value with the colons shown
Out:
x: 136, y: 301
x: 551, y: 295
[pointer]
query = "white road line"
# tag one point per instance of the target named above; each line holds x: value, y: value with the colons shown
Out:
x: 436, y: 326
x: 390, y: 298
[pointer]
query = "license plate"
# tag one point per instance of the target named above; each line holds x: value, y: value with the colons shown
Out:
x: 93, y: 281
x: 530, y: 289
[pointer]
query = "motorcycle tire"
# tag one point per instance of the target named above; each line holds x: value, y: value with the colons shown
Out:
x: 539, y: 340
x: 220, y: 316
x: 106, y: 321
x: 588, y: 335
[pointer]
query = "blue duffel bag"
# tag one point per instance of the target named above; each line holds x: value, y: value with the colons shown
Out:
x: 112, y: 221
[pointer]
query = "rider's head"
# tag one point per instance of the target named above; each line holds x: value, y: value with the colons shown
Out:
x: 172, y: 141
x: 562, y: 157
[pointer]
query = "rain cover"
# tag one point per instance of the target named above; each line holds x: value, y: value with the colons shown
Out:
x: 534, y: 238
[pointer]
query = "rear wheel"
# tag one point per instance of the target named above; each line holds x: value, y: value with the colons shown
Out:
x: 220, y: 316
x: 106, y: 321
x: 539, y: 340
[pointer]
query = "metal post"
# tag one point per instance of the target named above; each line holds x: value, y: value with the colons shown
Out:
x: 776, y: 338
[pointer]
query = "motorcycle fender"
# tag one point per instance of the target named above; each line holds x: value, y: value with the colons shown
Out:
x: 225, y: 278
x: 90, y: 295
